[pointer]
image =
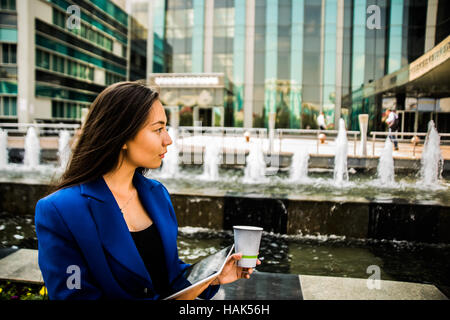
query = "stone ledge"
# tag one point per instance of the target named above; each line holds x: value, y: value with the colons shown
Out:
x: 339, y: 288
x: 22, y: 266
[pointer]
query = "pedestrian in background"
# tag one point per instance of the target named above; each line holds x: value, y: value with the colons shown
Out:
x: 392, y: 122
x: 321, y: 121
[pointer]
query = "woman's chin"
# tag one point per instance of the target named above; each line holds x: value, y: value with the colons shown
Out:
x: 155, y: 165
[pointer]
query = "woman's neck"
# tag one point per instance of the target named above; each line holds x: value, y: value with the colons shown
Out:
x: 120, y: 180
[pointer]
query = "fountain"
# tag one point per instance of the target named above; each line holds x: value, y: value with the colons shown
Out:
x: 170, y: 167
x: 432, y: 162
x: 299, y: 166
x: 212, y: 159
x: 64, y: 150
x: 305, y: 202
x: 385, y: 169
x: 3, y: 149
x: 255, y: 169
x: 310, y: 187
x: 32, y: 149
x: 340, y: 157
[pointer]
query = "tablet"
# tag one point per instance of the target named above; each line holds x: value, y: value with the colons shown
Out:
x: 202, y: 271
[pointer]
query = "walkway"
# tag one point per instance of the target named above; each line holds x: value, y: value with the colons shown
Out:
x: 288, y: 145
x: 22, y: 266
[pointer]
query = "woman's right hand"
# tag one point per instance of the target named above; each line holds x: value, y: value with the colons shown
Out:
x: 194, y: 292
x: 232, y: 272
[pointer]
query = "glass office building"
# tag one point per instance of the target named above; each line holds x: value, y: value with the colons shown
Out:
x: 8, y: 60
x: 57, y: 55
x: 290, y: 59
x: 280, y: 62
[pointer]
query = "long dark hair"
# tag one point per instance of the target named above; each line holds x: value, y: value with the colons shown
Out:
x: 115, y: 117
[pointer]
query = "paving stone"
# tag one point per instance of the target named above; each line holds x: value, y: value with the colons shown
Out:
x: 22, y: 266
x: 339, y: 288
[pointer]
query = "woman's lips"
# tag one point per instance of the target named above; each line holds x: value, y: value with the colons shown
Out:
x: 162, y: 155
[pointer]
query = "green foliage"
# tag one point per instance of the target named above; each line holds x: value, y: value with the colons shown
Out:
x: 21, y: 291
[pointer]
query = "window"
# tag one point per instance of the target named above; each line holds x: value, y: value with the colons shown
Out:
x: 9, y: 53
x: 59, y: 18
x: 66, y: 110
x: 83, y: 30
x: 111, y: 78
x: 69, y: 66
x: 58, y: 64
x: 5, y: 51
x: 55, y: 63
x: 42, y: 59
x: 82, y: 70
x: 57, y: 109
x: 8, y: 106
x: 12, y: 53
x: 74, y: 69
x: 108, y: 44
x: 8, y: 5
x: 90, y: 73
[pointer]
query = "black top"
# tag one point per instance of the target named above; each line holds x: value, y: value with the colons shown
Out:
x: 150, y: 247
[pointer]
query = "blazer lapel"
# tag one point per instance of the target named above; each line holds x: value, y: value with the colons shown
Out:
x: 112, y: 229
x: 156, y: 206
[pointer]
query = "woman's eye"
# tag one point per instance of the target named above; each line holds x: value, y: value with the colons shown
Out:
x: 160, y: 130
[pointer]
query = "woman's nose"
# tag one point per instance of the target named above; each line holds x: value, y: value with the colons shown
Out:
x: 167, y: 140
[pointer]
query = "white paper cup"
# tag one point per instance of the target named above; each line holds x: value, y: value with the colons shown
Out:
x: 247, y: 240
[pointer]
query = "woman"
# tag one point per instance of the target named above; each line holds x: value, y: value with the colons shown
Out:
x: 107, y: 231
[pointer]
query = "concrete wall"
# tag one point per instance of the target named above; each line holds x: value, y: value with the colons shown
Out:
x: 399, y: 220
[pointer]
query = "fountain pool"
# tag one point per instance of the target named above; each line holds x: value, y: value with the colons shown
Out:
x: 320, y: 184
x: 306, y: 255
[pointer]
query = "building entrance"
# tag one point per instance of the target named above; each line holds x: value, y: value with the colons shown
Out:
x: 205, y: 116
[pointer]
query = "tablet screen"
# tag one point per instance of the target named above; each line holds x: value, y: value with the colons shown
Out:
x: 202, y: 270
x: 207, y: 266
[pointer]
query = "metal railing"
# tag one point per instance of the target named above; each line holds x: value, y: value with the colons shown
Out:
x: 279, y: 134
x: 232, y: 150
x: 50, y: 129
x: 43, y: 128
x: 314, y: 134
x: 396, y: 134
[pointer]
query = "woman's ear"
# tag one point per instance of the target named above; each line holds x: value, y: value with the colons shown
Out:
x: 124, y: 147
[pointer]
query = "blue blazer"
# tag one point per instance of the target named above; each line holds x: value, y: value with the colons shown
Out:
x: 83, y: 239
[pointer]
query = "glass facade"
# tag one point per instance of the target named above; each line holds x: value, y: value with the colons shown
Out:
x: 298, y: 46
x: 223, y: 48
x: 442, y: 21
x: 198, y: 35
x: 328, y: 87
x: 138, y: 52
x: 395, y: 35
x: 306, y: 56
x: 178, y: 30
x: 296, y: 53
x: 74, y: 64
x: 258, y: 63
x: 239, y: 63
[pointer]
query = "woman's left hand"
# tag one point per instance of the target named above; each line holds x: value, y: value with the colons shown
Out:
x: 232, y: 272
